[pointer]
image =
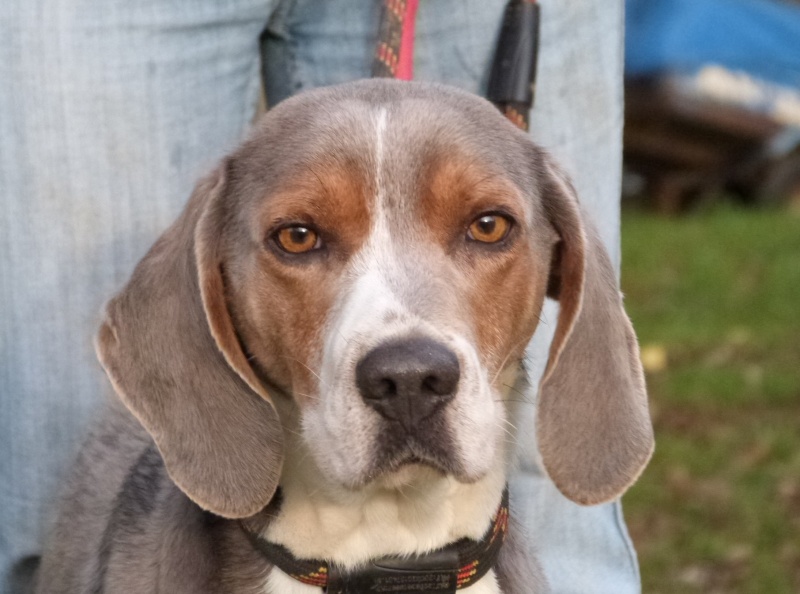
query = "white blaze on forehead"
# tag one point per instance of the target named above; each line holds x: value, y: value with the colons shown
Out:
x: 380, y: 227
x: 371, y: 294
x: 370, y: 298
x: 380, y: 130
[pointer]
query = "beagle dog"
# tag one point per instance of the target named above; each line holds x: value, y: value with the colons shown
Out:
x: 319, y: 361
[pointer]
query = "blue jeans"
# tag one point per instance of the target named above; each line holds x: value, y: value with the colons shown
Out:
x: 109, y: 111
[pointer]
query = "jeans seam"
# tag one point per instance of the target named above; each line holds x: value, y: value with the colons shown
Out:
x: 295, y: 83
x: 633, y: 561
x: 251, y: 94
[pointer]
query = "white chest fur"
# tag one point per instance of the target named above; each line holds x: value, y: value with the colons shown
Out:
x: 419, y: 510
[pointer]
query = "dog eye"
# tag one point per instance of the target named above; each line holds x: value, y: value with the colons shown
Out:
x: 489, y: 228
x: 297, y: 239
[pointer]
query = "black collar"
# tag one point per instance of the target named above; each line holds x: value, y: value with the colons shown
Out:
x: 443, y: 571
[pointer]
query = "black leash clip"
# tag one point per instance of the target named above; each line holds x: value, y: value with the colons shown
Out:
x: 512, y: 81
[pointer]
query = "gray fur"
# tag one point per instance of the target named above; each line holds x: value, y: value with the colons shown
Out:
x: 518, y: 571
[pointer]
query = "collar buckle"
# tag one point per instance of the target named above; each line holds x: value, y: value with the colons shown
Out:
x: 433, y: 573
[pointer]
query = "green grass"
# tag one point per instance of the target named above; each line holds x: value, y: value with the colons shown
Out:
x: 718, y: 509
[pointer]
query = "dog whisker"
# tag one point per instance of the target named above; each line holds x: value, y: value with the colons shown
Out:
x: 314, y: 373
x: 512, y: 436
x: 502, y: 365
x: 344, y: 338
x: 293, y: 431
x: 518, y: 391
x: 507, y: 422
x: 518, y: 401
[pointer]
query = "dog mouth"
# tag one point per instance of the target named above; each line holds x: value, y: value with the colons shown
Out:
x: 413, y: 455
x: 405, y: 472
x: 415, y: 460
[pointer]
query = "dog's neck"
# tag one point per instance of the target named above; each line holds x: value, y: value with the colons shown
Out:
x: 411, y: 511
x: 422, y: 510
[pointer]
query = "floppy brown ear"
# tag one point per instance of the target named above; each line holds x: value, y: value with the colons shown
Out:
x: 593, y: 425
x: 169, y: 346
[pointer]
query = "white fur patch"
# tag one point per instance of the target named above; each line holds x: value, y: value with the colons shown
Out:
x: 413, y: 511
x: 380, y: 130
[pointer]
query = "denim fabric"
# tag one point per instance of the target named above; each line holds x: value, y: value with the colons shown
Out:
x: 109, y: 111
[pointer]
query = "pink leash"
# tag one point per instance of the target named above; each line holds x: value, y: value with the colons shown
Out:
x: 405, y: 66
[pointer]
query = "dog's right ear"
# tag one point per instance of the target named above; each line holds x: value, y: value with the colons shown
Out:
x: 170, y: 348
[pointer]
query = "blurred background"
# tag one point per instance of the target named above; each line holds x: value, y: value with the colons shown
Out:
x: 711, y: 273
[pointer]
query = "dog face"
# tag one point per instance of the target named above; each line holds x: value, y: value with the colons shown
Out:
x: 379, y: 253
x: 386, y: 287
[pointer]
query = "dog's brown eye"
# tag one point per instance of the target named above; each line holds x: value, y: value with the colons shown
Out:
x: 489, y: 228
x: 297, y: 239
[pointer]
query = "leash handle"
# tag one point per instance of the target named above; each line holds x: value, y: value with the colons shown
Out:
x: 512, y: 81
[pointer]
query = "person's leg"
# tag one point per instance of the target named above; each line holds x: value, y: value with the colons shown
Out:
x: 578, y: 117
x: 109, y: 112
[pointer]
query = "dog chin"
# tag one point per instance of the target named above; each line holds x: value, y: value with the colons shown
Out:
x: 414, y: 470
x: 408, y: 474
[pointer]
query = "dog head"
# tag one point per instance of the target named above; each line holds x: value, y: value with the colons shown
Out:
x: 378, y: 253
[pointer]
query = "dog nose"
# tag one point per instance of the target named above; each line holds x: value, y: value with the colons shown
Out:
x: 408, y: 380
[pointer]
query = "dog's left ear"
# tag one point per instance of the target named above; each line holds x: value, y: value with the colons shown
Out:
x: 593, y: 425
x: 170, y: 348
